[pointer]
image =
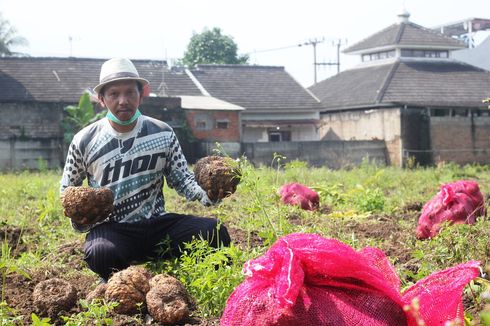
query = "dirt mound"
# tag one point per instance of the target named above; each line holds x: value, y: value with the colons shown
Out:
x: 217, y: 176
x: 52, y: 296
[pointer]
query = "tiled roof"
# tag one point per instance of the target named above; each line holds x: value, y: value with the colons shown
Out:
x: 256, y: 88
x: 443, y: 83
x: 404, y: 35
x: 177, y: 83
x: 65, y: 80
x: 59, y: 79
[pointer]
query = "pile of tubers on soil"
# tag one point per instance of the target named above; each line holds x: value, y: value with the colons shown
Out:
x: 134, y: 289
x: 217, y: 175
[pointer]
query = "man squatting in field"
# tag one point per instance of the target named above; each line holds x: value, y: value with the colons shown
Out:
x: 131, y: 154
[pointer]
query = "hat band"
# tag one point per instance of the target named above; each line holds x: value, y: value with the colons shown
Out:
x: 119, y: 75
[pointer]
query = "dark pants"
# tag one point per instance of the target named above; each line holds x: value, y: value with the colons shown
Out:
x: 111, y: 246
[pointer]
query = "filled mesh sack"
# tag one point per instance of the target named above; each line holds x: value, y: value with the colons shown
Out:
x: 305, y: 279
x: 458, y: 202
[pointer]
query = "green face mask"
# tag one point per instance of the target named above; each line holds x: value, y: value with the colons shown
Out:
x: 113, y: 118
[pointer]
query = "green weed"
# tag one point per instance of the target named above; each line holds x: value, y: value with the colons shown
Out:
x: 96, y: 313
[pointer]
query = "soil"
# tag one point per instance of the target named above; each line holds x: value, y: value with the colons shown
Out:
x: 392, y: 237
x: 19, y: 289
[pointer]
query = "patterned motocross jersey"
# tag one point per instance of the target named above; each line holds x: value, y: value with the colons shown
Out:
x: 133, y: 165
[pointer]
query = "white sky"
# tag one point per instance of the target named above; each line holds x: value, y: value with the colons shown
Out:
x: 160, y: 29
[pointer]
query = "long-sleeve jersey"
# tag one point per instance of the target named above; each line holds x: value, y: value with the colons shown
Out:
x: 133, y: 165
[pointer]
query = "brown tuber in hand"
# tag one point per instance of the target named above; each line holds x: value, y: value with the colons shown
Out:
x: 217, y: 176
x: 86, y: 205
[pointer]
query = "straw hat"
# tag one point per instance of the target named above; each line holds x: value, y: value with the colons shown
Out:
x: 118, y: 69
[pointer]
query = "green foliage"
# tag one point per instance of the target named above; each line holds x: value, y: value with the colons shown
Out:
x: 79, y: 116
x: 8, y: 265
x: 8, y: 316
x: 209, y: 274
x: 9, y: 39
x: 36, y: 321
x: 366, y: 207
x: 211, y: 46
x: 369, y: 200
x: 96, y: 313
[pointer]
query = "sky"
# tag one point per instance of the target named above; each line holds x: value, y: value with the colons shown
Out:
x: 271, y: 32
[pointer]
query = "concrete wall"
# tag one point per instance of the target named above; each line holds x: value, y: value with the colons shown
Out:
x: 381, y: 124
x: 31, y: 136
x: 31, y: 120
x: 334, y: 154
x: 460, y: 139
x: 18, y: 154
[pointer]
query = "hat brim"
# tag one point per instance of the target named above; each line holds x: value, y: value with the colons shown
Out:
x: 142, y: 81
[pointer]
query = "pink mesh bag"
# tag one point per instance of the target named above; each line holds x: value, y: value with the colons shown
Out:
x: 305, y: 279
x: 458, y: 202
x: 298, y: 194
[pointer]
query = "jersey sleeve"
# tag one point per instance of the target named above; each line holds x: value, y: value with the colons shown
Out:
x: 177, y: 173
x: 74, y: 173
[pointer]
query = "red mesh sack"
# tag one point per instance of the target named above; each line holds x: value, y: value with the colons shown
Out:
x: 304, y: 279
x: 458, y: 202
x: 298, y: 194
x: 439, y: 294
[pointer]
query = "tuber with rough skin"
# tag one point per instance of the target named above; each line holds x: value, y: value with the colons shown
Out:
x: 87, y: 205
x: 128, y: 288
x: 53, y: 296
x: 168, y: 301
x: 217, y: 176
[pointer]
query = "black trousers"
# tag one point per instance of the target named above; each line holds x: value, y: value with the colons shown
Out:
x: 110, y: 247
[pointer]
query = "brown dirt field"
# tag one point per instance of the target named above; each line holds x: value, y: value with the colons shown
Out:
x: 386, y: 232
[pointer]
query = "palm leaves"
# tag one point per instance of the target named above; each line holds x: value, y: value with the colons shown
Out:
x: 9, y: 39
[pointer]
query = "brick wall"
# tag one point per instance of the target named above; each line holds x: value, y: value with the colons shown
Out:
x: 205, y: 125
x: 460, y: 139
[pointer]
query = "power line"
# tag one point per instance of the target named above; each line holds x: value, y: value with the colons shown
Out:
x: 312, y: 42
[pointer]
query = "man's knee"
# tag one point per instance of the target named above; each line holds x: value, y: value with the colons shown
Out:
x: 102, y: 257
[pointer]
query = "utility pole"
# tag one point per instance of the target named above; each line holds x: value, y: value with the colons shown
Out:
x: 339, y: 43
x: 314, y: 43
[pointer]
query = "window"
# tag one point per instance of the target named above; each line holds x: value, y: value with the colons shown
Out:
x: 378, y: 55
x: 222, y: 124
x: 424, y: 53
x: 201, y: 125
x: 275, y: 136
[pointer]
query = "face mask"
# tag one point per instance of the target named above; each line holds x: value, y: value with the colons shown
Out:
x: 113, y: 118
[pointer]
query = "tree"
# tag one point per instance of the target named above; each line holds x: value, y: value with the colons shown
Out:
x: 211, y: 46
x: 9, y: 39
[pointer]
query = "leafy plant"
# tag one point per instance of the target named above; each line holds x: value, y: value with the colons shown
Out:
x: 36, y: 321
x: 8, y: 266
x: 209, y: 274
x: 95, y: 313
x: 79, y: 116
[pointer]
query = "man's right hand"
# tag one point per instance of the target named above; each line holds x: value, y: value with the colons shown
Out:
x: 208, y: 202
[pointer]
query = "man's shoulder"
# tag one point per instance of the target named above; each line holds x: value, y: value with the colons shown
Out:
x: 89, y: 131
x: 155, y: 124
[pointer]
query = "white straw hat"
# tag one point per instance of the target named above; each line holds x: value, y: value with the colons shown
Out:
x: 118, y: 69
